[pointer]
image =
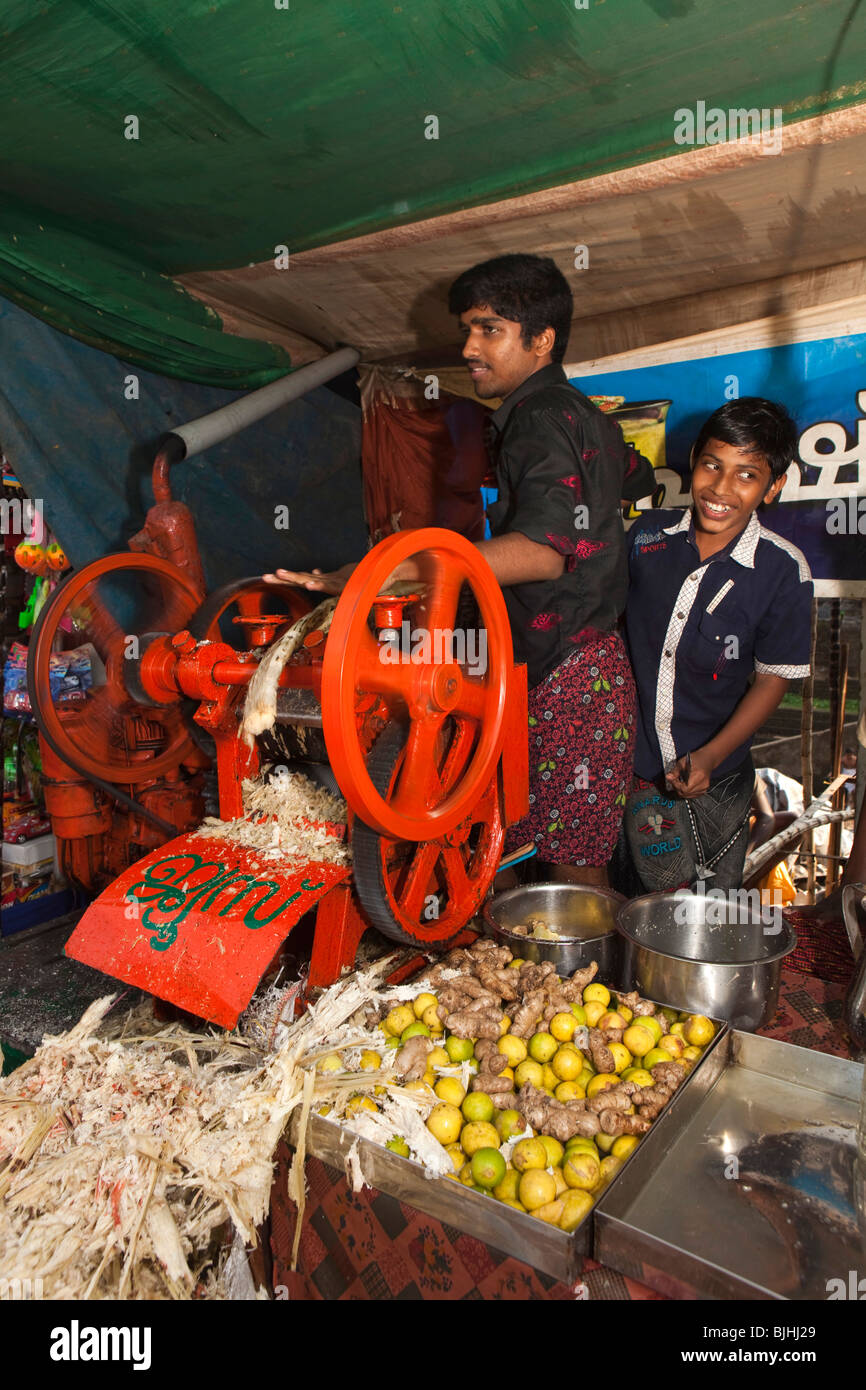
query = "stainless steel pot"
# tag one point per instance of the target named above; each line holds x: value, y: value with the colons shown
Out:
x: 584, y: 919
x: 699, y: 953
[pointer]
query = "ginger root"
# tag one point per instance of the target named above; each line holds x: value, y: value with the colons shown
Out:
x: 466, y: 1024
x: 668, y: 1074
x: 616, y: 1123
x: 602, y: 1057
x: 491, y: 1084
x: 581, y: 978
x: 411, y: 1060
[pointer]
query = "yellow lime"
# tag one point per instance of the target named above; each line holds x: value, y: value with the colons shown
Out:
x: 625, y: 1145
x: 601, y: 1082
x: 542, y: 1047
x: 566, y: 1065
x: 530, y: 1071
x: 536, y: 1188
x: 651, y: 1024
x: 527, y: 1154
x: 508, y: 1123
x: 439, y: 1058
x: 506, y: 1190
x: 621, y: 1056
x: 596, y: 993
x: 422, y: 1002
x: 581, y: 1169
x: 370, y: 1061
x: 625, y: 1012
x: 604, y: 1142
x: 550, y: 1079
x: 579, y: 1012
x: 513, y: 1048
x: 638, y: 1040
x: 576, y: 1205
x: 432, y: 1019
x: 672, y: 1044
x: 677, y: 1029
x: 399, y: 1019
x: 611, y: 1019
x: 569, y: 1090
x: 554, y: 1150
x: 654, y: 1056
x: 610, y: 1166
x: 333, y: 1062
x: 594, y: 1011
x: 551, y: 1212
x: 692, y: 1054
x: 639, y: 1075
x: 477, y: 1135
x: 562, y: 1027
x: 361, y: 1103
x: 504, y: 1025
x: 580, y: 1142
x: 448, y: 1088
x: 699, y: 1031
x: 445, y: 1122
x: 457, y: 1156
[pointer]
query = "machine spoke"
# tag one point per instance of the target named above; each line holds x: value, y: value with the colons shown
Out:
x: 418, y: 879
x: 440, y: 606
x: 419, y: 780
x: 458, y: 754
x: 456, y: 876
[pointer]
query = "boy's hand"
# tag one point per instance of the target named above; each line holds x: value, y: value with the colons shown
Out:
x: 333, y: 583
x: 690, y: 775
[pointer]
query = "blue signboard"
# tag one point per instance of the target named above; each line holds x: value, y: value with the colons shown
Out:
x: 822, y: 507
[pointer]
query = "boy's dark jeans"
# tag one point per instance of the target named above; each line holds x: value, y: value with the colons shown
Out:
x: 661, y: 836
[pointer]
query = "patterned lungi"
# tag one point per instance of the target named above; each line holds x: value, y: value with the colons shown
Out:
x: 580, y: 755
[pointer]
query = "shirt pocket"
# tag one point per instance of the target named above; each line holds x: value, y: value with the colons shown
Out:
x: 721, y: 638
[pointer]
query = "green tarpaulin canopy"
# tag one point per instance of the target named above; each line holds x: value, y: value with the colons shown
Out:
x: 151, y: 140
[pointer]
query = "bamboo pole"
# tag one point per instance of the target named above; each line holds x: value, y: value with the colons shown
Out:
x: 838, y: 796
x: 807, y: 772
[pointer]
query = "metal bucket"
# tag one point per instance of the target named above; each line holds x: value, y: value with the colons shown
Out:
x: 584, y: 919
x: 696, y: 952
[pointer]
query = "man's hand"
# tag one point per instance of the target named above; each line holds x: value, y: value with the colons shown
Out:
x: 690, y: 775
x: 333, y: 583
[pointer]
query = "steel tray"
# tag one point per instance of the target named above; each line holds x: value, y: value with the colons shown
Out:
x: 514, y: 1233
x: 746, y: 1190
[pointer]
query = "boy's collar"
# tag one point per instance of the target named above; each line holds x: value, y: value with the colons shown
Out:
x: 742, y: 550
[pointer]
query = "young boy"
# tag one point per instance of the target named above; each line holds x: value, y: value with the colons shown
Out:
x: 718, y: 622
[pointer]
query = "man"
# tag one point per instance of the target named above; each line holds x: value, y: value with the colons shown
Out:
x: 558, y: 550
x: 718, y: 623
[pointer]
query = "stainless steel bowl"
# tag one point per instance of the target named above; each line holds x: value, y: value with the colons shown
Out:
x: 583, y: 918
x: 699, y: 953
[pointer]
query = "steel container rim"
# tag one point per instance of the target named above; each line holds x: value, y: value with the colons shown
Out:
x: 492, y: 925
x: 789, y: 935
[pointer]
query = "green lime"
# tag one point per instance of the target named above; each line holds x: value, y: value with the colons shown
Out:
x: 414, y: 1030
x: 459, y: 1049
x: 478, y: 1106
x: 508, y: 1123
x: 488, y: 1168
x: 398, y: 1145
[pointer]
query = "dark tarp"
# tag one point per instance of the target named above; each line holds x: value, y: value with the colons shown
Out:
x: 75, y: 440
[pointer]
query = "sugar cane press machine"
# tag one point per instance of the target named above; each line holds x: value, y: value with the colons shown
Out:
x: 428, y: 749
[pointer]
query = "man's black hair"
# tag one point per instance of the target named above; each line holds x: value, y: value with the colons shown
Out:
x: 529, y: 290
x: 752, y: 423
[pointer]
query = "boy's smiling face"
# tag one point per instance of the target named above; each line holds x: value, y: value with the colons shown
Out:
x: 495, y: 353
x: 728, y: 483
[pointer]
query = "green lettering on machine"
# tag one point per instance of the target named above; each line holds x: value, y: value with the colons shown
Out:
x: 166, y: 888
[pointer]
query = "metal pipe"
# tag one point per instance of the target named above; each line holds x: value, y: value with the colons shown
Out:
x: 212, y: 429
